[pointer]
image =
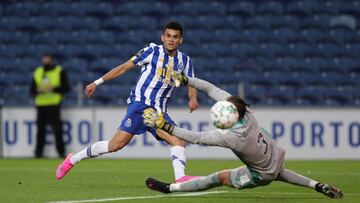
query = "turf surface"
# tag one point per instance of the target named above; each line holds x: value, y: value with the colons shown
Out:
x: 34, y: 181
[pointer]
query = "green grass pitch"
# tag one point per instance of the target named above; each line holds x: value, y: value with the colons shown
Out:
x: 116, y: 180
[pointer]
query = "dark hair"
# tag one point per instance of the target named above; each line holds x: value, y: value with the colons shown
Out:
x: 240, y: 105
x: 47, y: 54
x: 174, y: 25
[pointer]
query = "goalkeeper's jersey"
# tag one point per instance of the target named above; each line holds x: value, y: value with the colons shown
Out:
x: 249, y: 142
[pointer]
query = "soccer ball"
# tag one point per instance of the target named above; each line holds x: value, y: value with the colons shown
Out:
x: 224, y: 114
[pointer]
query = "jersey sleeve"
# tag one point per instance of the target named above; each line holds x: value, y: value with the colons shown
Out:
x: 143, y: 56
x: 210, y: 138
x: 189, y: 70
x: 214, y: 92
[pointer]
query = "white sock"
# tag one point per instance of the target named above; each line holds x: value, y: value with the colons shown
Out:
x: 178, y: 161
x: 313, y: 183
x: 97, y: 149
x: 174, y: 187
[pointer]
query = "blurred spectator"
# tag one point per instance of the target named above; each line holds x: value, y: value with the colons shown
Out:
x: 48, y: 86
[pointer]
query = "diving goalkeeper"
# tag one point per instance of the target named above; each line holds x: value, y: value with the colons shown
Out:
x: 262, y: 156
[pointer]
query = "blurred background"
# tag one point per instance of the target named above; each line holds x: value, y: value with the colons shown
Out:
x: 302, y: 56
x: 275, y: 53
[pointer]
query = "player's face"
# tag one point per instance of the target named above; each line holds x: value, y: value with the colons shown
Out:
x: 171, y: 39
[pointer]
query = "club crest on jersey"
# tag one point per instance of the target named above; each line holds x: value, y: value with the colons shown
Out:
x: 128, y: 123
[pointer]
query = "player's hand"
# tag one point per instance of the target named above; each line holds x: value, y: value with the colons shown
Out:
x: 193, y: 104
x: 90, y: 89
x: 153, y: 118
x: 179, y: 78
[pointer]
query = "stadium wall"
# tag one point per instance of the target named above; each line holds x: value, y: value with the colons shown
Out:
x: 305, y: 133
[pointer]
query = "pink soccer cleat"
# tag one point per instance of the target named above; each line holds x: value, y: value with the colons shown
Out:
x: 64, y: 167
x: 187, y: 178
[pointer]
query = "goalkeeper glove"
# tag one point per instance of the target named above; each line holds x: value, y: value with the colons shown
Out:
x: 156, y: 119
x: 179, y: 78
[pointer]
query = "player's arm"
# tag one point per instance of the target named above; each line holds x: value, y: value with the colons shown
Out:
x: 118, y: 70
x: 113, y: 73
x: 192, y: 92
x: 141, y: 58
x: 193, y: 102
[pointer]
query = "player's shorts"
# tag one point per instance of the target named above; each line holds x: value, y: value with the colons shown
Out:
x: 133, y: 120
x: 244, y: 177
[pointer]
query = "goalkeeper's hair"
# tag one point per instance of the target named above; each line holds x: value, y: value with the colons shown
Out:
x: 240, y: 104
x: 174, y: 25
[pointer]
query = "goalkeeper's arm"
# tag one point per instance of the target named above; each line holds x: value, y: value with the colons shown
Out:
x: 155, y: 119
x: 214, y: 92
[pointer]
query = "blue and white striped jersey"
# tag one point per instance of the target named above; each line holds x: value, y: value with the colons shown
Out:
x: 155, y: 85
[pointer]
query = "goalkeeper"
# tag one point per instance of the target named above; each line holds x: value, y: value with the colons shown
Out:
x: 262, y: 156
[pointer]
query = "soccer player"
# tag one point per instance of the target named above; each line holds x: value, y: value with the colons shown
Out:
x: 253, y: 145
x: 154, y: 87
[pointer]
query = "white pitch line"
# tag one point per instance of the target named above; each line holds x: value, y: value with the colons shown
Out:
x: 190, y: 195
x: 287, y: 193
x: 140, y: 197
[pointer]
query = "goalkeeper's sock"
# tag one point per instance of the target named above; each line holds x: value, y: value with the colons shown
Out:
x: 198, y: 184
x: 297, y: 179
x: 178, y: 161
x: 97, y: 149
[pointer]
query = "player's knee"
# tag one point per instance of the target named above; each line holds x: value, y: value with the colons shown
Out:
x: 177, y: 142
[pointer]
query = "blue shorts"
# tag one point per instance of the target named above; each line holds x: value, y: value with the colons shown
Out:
x: 133, y: 120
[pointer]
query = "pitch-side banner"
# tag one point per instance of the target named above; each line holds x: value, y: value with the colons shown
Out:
x: 304, y: 133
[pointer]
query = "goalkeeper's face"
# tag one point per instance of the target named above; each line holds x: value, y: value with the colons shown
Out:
x: 171, y: 39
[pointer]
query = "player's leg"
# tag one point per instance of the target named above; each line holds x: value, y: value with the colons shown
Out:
x: 117, y: 142
x: 289, y: 176
x: 178, y: 158
x: 130, y: 125
x: 40, y: 136
x: 177, y: 152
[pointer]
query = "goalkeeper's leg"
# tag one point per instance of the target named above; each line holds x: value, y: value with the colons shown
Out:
x: 203, y: 183
x: 238, y: 178
x: 297, y: 179
x: 117, y: 142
